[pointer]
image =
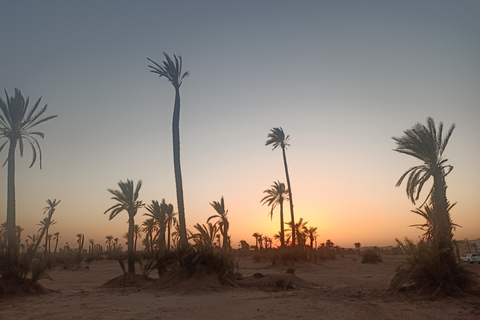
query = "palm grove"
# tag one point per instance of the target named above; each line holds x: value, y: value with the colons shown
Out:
x: 431, y: 263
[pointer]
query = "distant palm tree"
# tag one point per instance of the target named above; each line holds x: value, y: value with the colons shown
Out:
x: 44, y: 224
x: 205, y: 238
x: 296, y: 231
x: 127, y: 199
x: 136, y: 235
x: 109, y: 242
x: 170, y: 220
x: 49, y: 210
x: 92, y: 245
x: 275, y: 196
x: 277, y: 138
x: 427, y: 144
x: 56, y: 237
x: 256, y: 235
x: 149, y: 227
x: 80, y: 241
x: 222, y: 221
x: 311, y: 233
x: 173, y: 72
x: 16, y: 122
x: 158, y: 213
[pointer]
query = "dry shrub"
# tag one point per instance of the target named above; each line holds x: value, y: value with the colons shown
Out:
x: 371, y: 256
x: 432, y: 273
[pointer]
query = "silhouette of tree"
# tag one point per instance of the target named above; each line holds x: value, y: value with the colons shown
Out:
x: 275, y: 196
x: 109, y: 242
x: 311, y: 233
x: 127, y: 200
x: 277, y: 138
x: 427, y: 144
x: 47, y: 222
x: 222, y: 221
x: 149, y: 226
x: 56, y: 237
x: 16, y: 124
x: 172, y: 70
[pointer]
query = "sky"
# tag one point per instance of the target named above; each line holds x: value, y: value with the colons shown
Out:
x: 340, y: 77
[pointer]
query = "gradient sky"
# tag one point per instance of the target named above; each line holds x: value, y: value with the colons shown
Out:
x: 340, y: 77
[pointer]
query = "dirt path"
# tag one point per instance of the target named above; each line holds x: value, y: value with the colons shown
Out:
x: 342, y: 289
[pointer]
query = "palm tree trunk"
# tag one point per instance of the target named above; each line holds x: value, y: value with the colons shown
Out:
x: 443, y: 224
x: 282, y: 227
x: 12, y: 245
x: 289, y: 194
x: 177, y: 168
x: 130, y: 253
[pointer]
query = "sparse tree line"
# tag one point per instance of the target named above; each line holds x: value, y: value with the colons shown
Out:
x: 431, y: 262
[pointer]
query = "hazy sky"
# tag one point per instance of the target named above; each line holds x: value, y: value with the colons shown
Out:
x: 340, y: 77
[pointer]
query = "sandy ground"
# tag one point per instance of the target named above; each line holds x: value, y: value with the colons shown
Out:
x: 341, y: 289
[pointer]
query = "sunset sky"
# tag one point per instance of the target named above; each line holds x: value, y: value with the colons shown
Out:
x: 340, y: 77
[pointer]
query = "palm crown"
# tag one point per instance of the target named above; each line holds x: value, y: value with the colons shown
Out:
x: 172, y: 70
x: 427, y: 144
x: 277, y: 138
x: 16, y: 122
x: 127, y: 198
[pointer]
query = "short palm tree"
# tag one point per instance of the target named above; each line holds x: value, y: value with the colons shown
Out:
x: 277, y: 138
x: 127, y: 200
x: 16, y: 124
x: 222, y: 221
x: 172, y: 70
x: 44, y: 224
x: 276, y: 195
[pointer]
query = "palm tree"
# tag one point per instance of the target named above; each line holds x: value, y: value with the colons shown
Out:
x: 205, y: 238
x: 296, y: 231
x: 80, y: 241
x: 170, y: 220
x: 256, y: 235
x: 173, y: 72
x: 277, y: 138
x: 16, y: 123
x: 127, y: 199
x: 44, y: 224
x: 50, y: 209
x: 311, y: 233
x: 427, y: 144
x: 275, y: 196
x: 56, y: 237
x: 136, y: 235
x: 109, y: 242
x: 158, y: 213
x: 92, y: 244
x: 149, y: 227
x: 222, y: 221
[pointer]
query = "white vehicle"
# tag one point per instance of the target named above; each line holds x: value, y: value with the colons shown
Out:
x: 471, y: 257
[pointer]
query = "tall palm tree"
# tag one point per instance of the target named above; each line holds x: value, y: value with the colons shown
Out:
x: 222, y: 221
x: 275, y: 196
x: 427, y: 144
x: 16, y: 124
x: 127, y: 199
x: 172, y: 70
x: 277, y: 138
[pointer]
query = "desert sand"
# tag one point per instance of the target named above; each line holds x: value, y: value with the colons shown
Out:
x: 339, y: 289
